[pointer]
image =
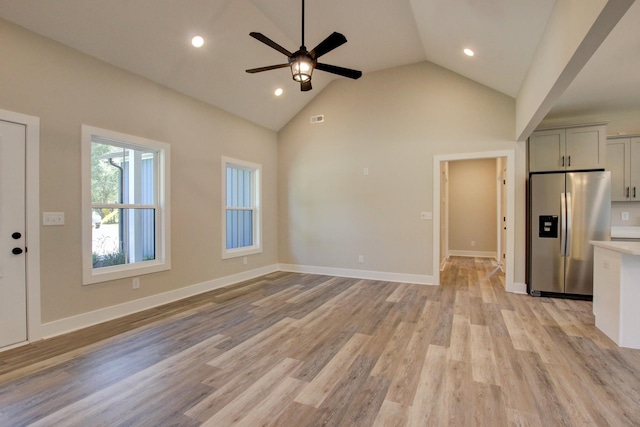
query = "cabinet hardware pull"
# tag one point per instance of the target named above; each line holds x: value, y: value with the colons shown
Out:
x: 569, y: 161
x: 627, y: 192
x: 562, y: 161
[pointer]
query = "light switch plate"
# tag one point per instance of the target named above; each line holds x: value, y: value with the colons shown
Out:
x: 426, y: 215
x: 52, y: 218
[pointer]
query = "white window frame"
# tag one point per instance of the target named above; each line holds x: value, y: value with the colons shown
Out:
x: 162, y: 206
x: 256, y: 186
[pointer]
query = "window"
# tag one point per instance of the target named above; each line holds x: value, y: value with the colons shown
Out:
x: 125, y: 205
x: 241, y: 218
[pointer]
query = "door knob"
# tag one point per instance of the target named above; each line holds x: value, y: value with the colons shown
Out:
x: 16, y: 251
x: 16, y: 235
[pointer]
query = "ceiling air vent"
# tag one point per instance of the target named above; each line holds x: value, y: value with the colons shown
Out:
x: 317, y: 119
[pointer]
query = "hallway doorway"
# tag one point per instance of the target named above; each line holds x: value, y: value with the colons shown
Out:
x: 504, y: 218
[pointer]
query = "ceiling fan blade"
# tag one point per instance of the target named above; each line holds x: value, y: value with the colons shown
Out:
x: 270, y: 67
x: 305, y: 86
x: 328, y: 44
x: 346, y: 72
x: 266, y: 40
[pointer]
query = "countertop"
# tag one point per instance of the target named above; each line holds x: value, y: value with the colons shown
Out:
x: 631, y: 248
x: 625, y: 232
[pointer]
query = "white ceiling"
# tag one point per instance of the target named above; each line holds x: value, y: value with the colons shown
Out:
x: 152, y: 38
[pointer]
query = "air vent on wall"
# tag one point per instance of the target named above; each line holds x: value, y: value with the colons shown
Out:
x: 317, y: 119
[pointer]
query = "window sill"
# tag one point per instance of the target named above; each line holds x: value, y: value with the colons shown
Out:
x: 106, y: 274
x: 235, y: 253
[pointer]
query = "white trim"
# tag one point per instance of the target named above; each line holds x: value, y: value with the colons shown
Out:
x: 162, y: 262
x: 33, y: 218
x: 511, y: 203
x: 499, y: 211
x: 474, y: 254
x: 417, y: 279
x: 69, y: 324
x: 520, y: 288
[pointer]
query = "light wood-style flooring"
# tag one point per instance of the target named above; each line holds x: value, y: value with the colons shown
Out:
x: 305, y: 350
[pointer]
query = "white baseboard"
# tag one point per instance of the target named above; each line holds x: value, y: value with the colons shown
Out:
x: 519, y: 288
x: 474, y: 254
x: 359, y: 274
x: 69, y: 324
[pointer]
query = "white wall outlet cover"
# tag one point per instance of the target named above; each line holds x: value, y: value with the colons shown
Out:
x: 52, y: 218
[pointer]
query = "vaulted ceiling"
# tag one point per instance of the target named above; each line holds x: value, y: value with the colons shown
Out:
x: 152, y: 38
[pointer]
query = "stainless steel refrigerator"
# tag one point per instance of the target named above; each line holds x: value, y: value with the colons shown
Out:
x: 566, y: 211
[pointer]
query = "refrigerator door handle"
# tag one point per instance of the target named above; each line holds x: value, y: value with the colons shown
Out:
x: 563, y: 224
x: 567, y: 250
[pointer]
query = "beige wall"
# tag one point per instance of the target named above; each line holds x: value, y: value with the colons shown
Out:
x: 473, y: 206
x: 67, y: 89
x: 392, y: 122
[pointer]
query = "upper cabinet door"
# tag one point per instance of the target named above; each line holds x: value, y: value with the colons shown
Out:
x: 618, y: 163
x: 568, y: 149
x: 547, y: 150
x: 634, y: 169
x: 586, y: 148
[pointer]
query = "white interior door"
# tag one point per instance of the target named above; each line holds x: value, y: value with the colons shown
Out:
x: 13, y: 294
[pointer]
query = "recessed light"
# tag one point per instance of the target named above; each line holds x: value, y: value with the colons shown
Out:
x: 197, y: 41
x: 468, y: 52
x: 278, y: 92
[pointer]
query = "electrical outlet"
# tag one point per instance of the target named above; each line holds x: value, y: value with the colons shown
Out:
x: 366, y: 171
x: 625, y: 216
x: 426, y: 215
x: 244, y: 260
x: 135, y: 283
x: 473, y: 243
x: 360, y: 259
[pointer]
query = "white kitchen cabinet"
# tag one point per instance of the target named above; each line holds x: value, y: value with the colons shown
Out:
x: 568, y: 149
x: 623, y: 160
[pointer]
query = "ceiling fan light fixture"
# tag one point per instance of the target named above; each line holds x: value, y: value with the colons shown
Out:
x: 303, y: 62
x: 302, y: 68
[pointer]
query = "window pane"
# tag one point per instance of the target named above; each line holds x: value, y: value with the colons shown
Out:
x: 106, y: 184
x: 122, y: 236
x: 239, y: 228
x: 120, y: 175
x: 239, y: 183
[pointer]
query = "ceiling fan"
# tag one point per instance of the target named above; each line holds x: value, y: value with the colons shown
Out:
x: 303, y: 62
